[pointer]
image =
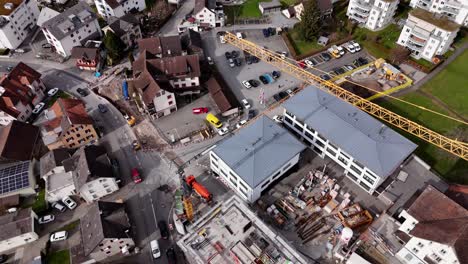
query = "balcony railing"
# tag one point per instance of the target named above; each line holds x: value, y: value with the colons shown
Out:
x: 359, y: 18
x: 361, y: 5
x: 416, y: 39
x: 362, y: 12
x: 450, y: 10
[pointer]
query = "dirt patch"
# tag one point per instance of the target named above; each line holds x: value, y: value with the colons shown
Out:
x: 149, y: 136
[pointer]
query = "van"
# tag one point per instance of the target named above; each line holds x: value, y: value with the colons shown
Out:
x: 155, y: 249
x: 213, y: 120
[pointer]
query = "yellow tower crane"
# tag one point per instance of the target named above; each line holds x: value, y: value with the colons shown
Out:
x: 455, y: 147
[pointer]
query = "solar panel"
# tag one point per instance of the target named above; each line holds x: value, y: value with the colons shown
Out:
x: 14, y: 177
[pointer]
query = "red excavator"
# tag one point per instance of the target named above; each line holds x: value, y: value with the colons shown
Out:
x: 198, y: 188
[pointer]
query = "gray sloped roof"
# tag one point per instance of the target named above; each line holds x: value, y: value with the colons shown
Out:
x: 258, y: 150
x: 369, y: 141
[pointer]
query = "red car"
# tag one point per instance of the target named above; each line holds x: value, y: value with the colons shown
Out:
x: 200, y: 110
x: 301, y: 64
x: 136, y: 176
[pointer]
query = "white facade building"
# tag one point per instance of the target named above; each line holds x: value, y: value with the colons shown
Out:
x: 72, y: 28
x: 367, y: 150
x: 436, y: 230
x: 427, y: 35
x: 18, y: 229
x: 455, y: 10
x: 374, y: 14
x: 98, y: 188
x: 255, y: 157
x: 206, y: 14
x: 17, y: 20
x: 118, y: 8
x: 58, y: 181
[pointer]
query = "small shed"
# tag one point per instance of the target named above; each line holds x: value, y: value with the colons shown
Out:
x: 269, y: 7
x: 322, y: 41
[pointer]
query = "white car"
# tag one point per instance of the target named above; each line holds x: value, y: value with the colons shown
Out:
x: 59, y: 236
x: 223, y: 131
x: 245, y: 103
x: 155, y: 249
x: 241, y: 123
x: 246, y: 84
x: 278, y: 119
x: 221, y: 38
x: 38, y: 108
x: 340, y: 50
x: 309, y: 63
x: 46, y: 219
x: 53, y: 91
x: 69, y: 202
x: 210, y: 60
x: 239, y: 35
x: 349, y: 47
x: 356, y: 45
x: 290, y: 92
x: 59, y: 206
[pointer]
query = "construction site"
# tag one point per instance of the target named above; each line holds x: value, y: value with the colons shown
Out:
x: 232, y: 233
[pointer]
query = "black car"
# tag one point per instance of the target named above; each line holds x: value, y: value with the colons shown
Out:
x: 283, y: 95
x: 325, y: 77
x: 227, y: 54
x: 263, y: 79
x: 3, y: 258
x: 266, y: 32
x: 340, y: 71
x: 234, y: 54
x: 171, y: 256
x: 254, y: 83
x: 276, y: 97
x: 276, y: 74
x: 82, y: 92
x: 163, y: 229
x: 102, y: 108
x: 255, y: 59
x: 326, y: 56
x: 248, y: 60
x: 363, y: 61
x: 238, y: 62
x: 272, y: 31
x: 252, y: 113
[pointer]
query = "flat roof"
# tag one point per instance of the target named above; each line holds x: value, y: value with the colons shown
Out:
x: 435, y: 19
x: 233, y: 227
x: 366, y: 139
x: 258, y: 150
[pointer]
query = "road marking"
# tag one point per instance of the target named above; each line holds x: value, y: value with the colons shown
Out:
x: 154, y: 213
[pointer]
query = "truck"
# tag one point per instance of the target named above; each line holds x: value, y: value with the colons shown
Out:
x: 125, y: 90
x: 198, y: 188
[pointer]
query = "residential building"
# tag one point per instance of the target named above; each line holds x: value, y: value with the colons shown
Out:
x: 207, y: 14
x: 19, y: 142
x: 105, y: 231
x: 18, y: 229
x: 191, y: 42
x: 221, y: 94
x: 325, y: 6
x: 71, y: 28
x: 17, y: 178
x: 434, y: 229
x: 255, y: 157
x: 269, y: 7
x: 167, y: 46
x: 455, y: 10
x: 17, y: 20
x: 46, y: 14
x: 58, y: 181
x: 92, y: 173
x: 66, y: 125
x: 127, y: 28
x: 88, y: 57
x: 373, y: 14
x: 367, y: 150
x: 118, y: 8
x: 427, y: 34
x: 20, y: 90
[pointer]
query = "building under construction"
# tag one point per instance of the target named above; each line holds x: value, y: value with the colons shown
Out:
x: 232, y: 233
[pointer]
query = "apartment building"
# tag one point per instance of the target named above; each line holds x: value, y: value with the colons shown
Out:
x: 207, y: 14
x: 455, y: 10
x: 58, y: 182
x: 255, y: 157
x: 66, y: 125
x: 427, y: 34
x: 89, y: 57
x: 367, y: 150
x: 118, y: 8
x: 127, y: 28
x: 20, y: 90
x: 18, y: 229
x: 373, y: 14
x: 92, y: 173
x: 325, y: 6
x: 71, y: 28
x: 434, y: 229
x: 17, y: 20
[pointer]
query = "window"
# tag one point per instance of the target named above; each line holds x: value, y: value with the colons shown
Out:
x: 214, y: 163
x: 233, y: 181
x: 276, y: 175
x: 342, y: 160
x: 309, y: 135
x: 421, y: 245
x: 108, y: 190
x: 298, y: 126
x: 319, y: 143
x: 169, y: 96
x: 265, y: 184
x: 409, y: 256
x: 95, y: 196
x: 442, y: 251
x: 331, y: 152
x: 365, y: 186
x: 213, y: 156
x: 243, y: 185
x: 223, y: 172
x: 355, y: 169
x: 170, y: 102
x: 415, y: 250
x: 352, y: 177
x: 368, y: 179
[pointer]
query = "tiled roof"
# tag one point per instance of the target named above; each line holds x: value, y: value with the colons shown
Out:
x: 15, y: 224
x: 223, y: 98
x: 16, y: 87
x: 83, y: 52
x: 18, y: 140
x: 121, y: 25
x: 68, y: 112
x: 167, y: 46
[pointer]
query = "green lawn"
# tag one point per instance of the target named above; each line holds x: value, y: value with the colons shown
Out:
x: 249, y: 9
x: 59, y: 257
x: 378, y: 43
x: 302, y: 46
x: 40, y: 205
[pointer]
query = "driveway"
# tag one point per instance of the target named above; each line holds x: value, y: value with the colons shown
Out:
x: 170, y: 28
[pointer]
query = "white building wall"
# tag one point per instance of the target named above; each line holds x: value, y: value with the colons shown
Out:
x: 106, y: 11
x: 25, y: 113
x: 358, y: 173
x: 165, y: 102
x: 374, y: 14
x: 186, y: 82
x: 235, y: 182
x: 98, y: 188
x: 21, y: 23
x: 456, y: 10
x: 417, y: 249
x: 57, y: 193
x: 5, y: 118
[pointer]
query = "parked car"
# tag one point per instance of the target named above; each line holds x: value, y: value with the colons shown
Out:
x: 222, y: 39
x: 231, y: 63
x: 340, y: 49
x: 58, y: 236
x: 223, y: 131
x: 37, y: 109
x: 278, y: 119
x: 115, y: 169
x: 255, y: 59
x: 239, y: 35
x: 248, y: 60
x: 349, y: 67
x: 130, y: 119
x: 254, y: 83
x: 238, y: 62
x: 102, y: 108
x: 266, y: 32
x: 339, y: 71
x: 252, y: 113
x: 276, y: 97
x: 356, y: 45
x: 136, y: 176
x: 276, y: 74
x: 59, y: 206
x: 171, y: 256
x: 326, y: 56
x: 246, y: 84
x: 46, y: 219
x: 269, y: 78
x: 241, y: 123
x: 349, y: 47
x: 283, y: 95
x: 325, y: 77
x: 154, y: 245
x: 301, y: 64
x: 360, y: 62
x: 290, y: 92
x: 234, y: 54
x: 246, y: 104
x: 53, y: 91
x: 82, y: 92
x: 210, y: 60
x: 263, y: 79
x: 9, y: 68
x: 200, y: 110
x: 227, y: 54
x: 163, y: 229
x: 309, y: 63
x: 69, y: 202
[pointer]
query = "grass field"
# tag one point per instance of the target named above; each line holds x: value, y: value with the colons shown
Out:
x: 59, y: 257
x: 249, y: 9
x: 302, y: 46
x: 447, y: 86
x: 378, y: 43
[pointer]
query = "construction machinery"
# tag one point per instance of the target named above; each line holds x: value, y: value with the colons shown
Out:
x: 455, y: 147
x: 198, y: 188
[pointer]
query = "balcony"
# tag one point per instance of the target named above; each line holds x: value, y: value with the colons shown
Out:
x: 363, y: 6
x: 414, y: 46
x: 358, y: 18
x: 360, y: 11
x: 450, y: 10
x: 417, y: 40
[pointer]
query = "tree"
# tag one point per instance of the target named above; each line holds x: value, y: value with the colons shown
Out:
x: 130, y: 57
x: 399, y: 54
x: 311, y: 21
x: 350, y: 26
x: 114, y: 45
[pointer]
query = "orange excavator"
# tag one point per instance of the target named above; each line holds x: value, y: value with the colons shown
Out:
x: 198, y: 188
